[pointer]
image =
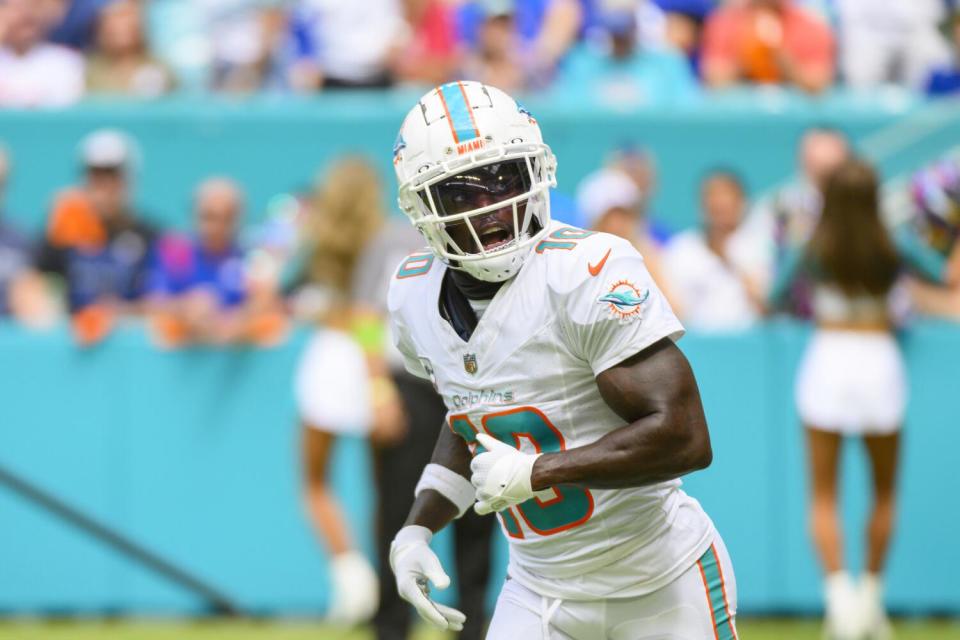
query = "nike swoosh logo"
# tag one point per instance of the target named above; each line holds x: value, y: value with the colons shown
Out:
x: 595, y: 269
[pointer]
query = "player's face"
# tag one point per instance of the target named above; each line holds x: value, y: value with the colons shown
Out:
x: 483, y: 187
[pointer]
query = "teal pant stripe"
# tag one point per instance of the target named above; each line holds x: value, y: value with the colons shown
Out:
x: 718, y: 599
x: 459, y: 111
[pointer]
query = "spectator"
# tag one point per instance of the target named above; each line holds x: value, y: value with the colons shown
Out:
x: 618, y: 72
x: 498, y: 57
x: 640, y: 165
x: 689, y: 16
x: 786, y: 219
x: 661, y: 24
x: 611, y: 202
x: 683, y: 26
x: 75, y: 28
x: 244, y: 37
x: 34, y: 73
x: 198, y: 285
x: 429, y: 53
x: 890, y: 42
x: 121, y: 62
x: 225, y: 45
x: 768, y: 41
x: 343, y: 44
x: 853, y: 264
x: 356, y: 396
x: 712, y: 290
x: 935, y: 227
x: 560, y: 27
x: 95, y: 242
x: 52, y: 13
x: 534, y: 39
x: 944, y: 79
x: 14, y: 250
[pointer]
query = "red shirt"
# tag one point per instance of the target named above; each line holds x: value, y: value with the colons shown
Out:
x: 746, y: 38
x: 428, y: 56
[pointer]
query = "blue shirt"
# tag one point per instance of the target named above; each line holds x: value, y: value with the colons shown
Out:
x: 943, y: 81
x: 79, y: 23
x: 117, y: 269
x: 182, y: 265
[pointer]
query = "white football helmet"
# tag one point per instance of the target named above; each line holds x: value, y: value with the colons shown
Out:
x: 474, y: 178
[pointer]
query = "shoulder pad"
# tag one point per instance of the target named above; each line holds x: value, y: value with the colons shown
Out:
x: 410, y: 276
x: 585, y: 258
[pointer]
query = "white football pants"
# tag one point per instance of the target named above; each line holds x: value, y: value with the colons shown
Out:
x: 699, y: 605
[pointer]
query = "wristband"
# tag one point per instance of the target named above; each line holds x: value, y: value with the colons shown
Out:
x: 450, y: 484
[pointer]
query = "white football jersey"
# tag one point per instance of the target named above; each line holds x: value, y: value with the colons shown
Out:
x: 582, y: 303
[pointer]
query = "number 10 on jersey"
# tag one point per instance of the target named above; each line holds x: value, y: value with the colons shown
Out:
x: 569, y: 507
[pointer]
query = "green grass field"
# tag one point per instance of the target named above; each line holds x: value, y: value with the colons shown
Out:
x: 32, y: 630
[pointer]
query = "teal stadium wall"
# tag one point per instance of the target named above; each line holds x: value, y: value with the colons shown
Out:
x: 194, y: 454
x: 273, y: 146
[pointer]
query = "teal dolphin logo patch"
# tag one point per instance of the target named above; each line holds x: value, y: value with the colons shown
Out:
x: 625, y: 301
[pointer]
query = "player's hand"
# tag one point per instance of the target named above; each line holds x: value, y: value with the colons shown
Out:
x: 415, y: 565
x: 355, y: 589
x: 501, y: 475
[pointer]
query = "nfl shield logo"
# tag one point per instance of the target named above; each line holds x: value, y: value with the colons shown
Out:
x: 470, y: 363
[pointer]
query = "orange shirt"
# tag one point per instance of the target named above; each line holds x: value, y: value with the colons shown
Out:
x: 73, y: 223
x: 745, y: 38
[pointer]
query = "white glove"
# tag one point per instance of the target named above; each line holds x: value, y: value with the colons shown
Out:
x: 356, y: 590
x: 414, y: 564
x: 501, y: 475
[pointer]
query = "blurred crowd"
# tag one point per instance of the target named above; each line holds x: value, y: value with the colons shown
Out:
x: 722, y: 275
x: 627, y: 52
x: 100, y: 262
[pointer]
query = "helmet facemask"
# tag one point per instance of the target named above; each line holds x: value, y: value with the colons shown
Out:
x: 484, y: 214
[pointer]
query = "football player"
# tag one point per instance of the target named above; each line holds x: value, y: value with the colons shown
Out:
x: 571, y: 412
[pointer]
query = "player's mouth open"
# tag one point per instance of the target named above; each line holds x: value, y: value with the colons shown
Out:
x: 495, y: 236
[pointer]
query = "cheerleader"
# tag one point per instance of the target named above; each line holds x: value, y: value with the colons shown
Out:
x: 852, y: 383
x: 342, y: 387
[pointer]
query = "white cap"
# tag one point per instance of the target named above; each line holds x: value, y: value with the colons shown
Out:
x: 604, y: 190
x: 107, y: 149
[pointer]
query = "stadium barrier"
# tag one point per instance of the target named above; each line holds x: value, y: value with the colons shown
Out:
x: 274, y: 146
x: 193, y: 457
